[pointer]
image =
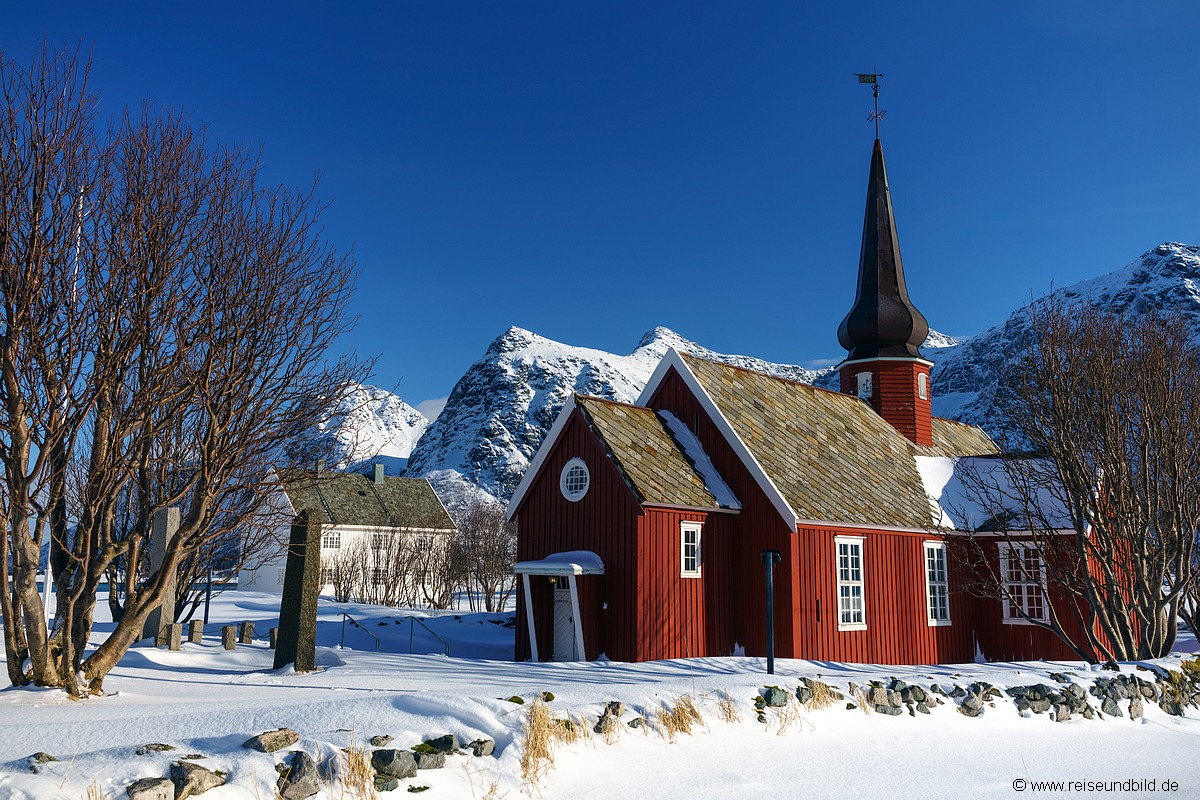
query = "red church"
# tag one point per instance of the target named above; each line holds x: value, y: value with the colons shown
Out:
x: 641, y: 527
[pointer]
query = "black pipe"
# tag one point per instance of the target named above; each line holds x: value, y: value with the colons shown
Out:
x: 770, y: 559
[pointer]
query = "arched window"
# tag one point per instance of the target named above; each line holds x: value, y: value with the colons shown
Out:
x: 866, y: 384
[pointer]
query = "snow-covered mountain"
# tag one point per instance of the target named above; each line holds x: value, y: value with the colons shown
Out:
x: 964, y: 376
x: 501, y: 408
x: 369, y: 424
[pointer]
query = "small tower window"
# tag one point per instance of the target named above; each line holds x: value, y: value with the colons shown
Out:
x: 574, y: 480
x: 866, y: 384
x: 922, y: 386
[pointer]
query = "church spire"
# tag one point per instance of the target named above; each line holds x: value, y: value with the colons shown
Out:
x: 883, y: 322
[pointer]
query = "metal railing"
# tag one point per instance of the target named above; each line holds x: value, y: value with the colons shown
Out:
x: 347, y: 618
x: 411, y: 620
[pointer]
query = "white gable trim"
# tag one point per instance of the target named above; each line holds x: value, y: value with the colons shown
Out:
x: 540, y: 456
x: 673, y: 359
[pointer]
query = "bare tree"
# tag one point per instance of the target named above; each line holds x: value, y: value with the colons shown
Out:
x: 166, y: 321
x: 487, y: 547
x: 1110, y: 404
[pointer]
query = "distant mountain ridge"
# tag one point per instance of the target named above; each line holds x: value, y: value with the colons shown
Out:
x: 502, y: 407
x: 499, y: 411
x: 964, y: 376
x: 368, y: 425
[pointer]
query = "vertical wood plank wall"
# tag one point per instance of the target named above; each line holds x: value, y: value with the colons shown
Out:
x: 737, y: 607
x: 605, y: 521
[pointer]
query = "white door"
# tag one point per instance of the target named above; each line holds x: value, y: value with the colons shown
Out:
x: 564, y: 625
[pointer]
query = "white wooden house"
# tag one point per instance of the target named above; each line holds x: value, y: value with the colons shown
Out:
x: 379, y: 533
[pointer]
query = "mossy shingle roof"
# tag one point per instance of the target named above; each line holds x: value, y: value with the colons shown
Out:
x: 830, y: 455
x: 351, y: 498
x: 653, y: 463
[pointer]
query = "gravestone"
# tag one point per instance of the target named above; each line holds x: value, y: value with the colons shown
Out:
x: 246, y: 633
x: 196, y: 631
x: 175, y: 636
x: 297, y: 639
x: 229, y: 637
x: 163, y: 526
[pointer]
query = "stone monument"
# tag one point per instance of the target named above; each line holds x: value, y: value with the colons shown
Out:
x: 297, y: 640
x: 163, y: 526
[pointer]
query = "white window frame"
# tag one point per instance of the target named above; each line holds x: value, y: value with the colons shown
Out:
x: 1017, y: 592
x: 379, y: 543
x: 845, y: 579
x: 327, y: 576
x: 922, y: 386
x: 331, y: 540
x: 572, y: 493
x: 936, y: 589
x: 689, y: 550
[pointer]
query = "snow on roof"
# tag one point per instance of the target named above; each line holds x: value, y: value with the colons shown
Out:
x: 572, y: 562
x: 986, y: 493
x: 700, y: 461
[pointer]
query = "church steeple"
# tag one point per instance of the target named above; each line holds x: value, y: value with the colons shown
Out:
x: 883, y: 321
x: 884, y: 331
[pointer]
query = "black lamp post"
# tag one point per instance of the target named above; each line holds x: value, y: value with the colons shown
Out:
x: 770, y: 559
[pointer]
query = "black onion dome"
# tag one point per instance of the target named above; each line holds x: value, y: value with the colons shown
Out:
x: 882, y: 321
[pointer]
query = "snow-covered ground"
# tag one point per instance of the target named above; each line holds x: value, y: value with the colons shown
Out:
x: 204, y: 700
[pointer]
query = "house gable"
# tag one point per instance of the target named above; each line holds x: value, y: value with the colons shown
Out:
x: 673, y: 364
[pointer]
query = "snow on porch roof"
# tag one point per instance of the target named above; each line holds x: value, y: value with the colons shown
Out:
x: 574, y: 562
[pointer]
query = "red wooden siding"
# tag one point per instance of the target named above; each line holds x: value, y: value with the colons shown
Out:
x: 895, y: 397
x: 605, y: 522
x: 894, y: 601
x: 1006, y: 642
x: 740, y: 618
x: 684, y: 617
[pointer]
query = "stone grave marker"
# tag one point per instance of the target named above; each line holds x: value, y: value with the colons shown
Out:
x: 163, y: 526
x: 297, y: 639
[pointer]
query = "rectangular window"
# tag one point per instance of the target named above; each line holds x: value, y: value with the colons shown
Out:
x: 851, y: 613
x: 378, y: 576
x: 378, y: 542
x: 326, y: 576
x: 689, y: 549
x: 331, y: 540
x: 937, y: 586
x: 1024, y: 577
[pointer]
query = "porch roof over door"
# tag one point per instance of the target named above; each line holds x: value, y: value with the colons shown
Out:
x: 572, y: 562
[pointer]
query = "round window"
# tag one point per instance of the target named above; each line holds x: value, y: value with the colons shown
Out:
x: 574, y: 480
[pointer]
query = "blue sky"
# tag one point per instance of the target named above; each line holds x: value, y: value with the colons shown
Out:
x: 589, y: 170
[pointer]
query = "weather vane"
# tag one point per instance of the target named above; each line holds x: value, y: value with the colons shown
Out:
x: 873, y: 79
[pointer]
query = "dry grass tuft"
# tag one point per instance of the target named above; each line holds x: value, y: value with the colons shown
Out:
x: 680, y: 717
x: 860, y: 697
x: 786, y: 717
x: 94, y: 792
x: 537, y: 754
x: 356, y: 773
x: 823, y: 695
x: 569, y: 730
x: 727, y: 710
